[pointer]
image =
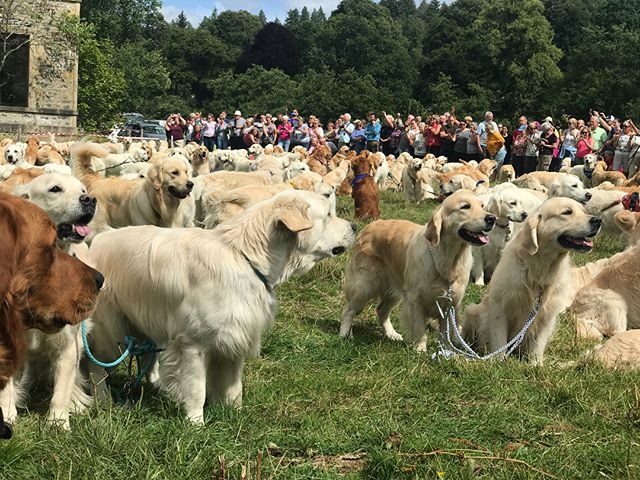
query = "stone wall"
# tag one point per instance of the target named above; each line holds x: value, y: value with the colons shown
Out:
x: 53, y: 99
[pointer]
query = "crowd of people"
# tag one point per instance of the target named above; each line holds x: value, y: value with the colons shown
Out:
x: 532, y: 145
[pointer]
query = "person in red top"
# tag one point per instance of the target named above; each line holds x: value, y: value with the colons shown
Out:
x: 432, y: 132
x: 584, y: 146
x: 285, y: 130
x: 175, y: 126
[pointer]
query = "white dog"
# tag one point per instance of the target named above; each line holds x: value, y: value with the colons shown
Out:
x: 206, y: 296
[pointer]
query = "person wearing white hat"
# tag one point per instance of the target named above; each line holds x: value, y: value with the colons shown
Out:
x: 237, y: 125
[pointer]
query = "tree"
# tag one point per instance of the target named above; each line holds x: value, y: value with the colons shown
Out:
x: 101, y: 85
x: 523, y: 60
x: 236, y: 29
x: 274, y: 46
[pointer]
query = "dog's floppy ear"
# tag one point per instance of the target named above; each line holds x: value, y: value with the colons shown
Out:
x: 154, y: 175
x: 625, y: 220
x: 530, y: 242
x: 21, y: 191
x: 553, y: 189
x: 434, y: 227
x: 494, y: 205
x: 295, y: 216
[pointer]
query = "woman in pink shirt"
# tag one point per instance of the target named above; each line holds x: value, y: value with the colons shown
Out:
x: 285, y: 130
x: 584, y: 146
x: 432, y: 133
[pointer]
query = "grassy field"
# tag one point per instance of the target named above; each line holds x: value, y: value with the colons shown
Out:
x: 319, y: 407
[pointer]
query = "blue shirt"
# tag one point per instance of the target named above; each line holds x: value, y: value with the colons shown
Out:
x: 372, y: 131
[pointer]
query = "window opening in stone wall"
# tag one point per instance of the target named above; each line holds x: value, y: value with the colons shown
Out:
x: 14, y: 70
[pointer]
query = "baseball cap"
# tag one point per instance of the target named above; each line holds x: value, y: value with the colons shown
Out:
x: 237, y: 112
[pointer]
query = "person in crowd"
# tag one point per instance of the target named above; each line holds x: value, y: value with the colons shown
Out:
x: 175, y: 126
x: 358, y: 137
x: 251, y: 137
x: 196, y: 136
x: 474, y: 149
x: 584, y: 146
x: 269, y: 132
x: 222, y: 131
x: 622, y: 144
x: 420, y: 140
x: 531, y: 149
x: 482, y: 132
x: 285, y: 130
x: 386, y: 129
x: 316, y: 132
x: 597, y: 133
x: 504, y: 131
x: 432, y: 134
x: 447, y: 131
x: 372, y: 133
x: 396, y: 136
x: 331, y: 136
x: 345, y: 129
x: 209, y: 127
x: 460, y: 139
x: 235, y: 134
x: 569, y: 140
x: 300, y: 133
x: 548, y: 142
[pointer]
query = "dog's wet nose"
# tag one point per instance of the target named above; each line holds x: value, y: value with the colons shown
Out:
x: 490, y: 220
x: 87, y: 199
x: 524, y: 215
x: 595, y: 221
x: 588, y: 195
x: 354, y: 227
x: 98, y: 278
x: 189, y: 184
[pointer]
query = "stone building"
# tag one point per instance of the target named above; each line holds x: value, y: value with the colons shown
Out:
x: 39, y: 78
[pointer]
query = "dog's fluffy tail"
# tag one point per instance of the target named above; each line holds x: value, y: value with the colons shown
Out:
x: 81, y: 154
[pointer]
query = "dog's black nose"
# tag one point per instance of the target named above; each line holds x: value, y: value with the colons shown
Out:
x: 99, y: 279
x: 524, y: 215
x: 84, y: 198
x: 588, y: 195
x: 490, y: 219
x: 354, y: 227
x: 189, y: 184
x: 596, y: 221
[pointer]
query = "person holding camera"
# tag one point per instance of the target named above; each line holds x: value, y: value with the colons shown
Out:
x: 174, y: 127
x: 237, y: 126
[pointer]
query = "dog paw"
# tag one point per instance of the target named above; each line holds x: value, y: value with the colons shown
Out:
x: 395, y: 336
x: 346, y: 333
x: 59, y: 419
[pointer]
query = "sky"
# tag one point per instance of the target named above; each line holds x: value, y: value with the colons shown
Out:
x: 196, y: 10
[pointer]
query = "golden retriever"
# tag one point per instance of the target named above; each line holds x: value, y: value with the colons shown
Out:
x: 397, y: 260
x: 206, y: 296
x: 534, y: 264
x: 163, y: 198
x: 64, y: 199
x: 610, y: 303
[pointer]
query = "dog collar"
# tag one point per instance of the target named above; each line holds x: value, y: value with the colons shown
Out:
x: 259, y: 274
x: 358, y: 178
x: 588, y: 173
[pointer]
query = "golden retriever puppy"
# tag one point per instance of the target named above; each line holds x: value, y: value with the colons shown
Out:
x: 14, y: 153
x: 535, y: 264
x: 506, y: 174
x: 411, y: 184
x: 585, y: 172
x: 610, y: 303
x: 163, y: 198
x: 206, y: 296
x: 397, y: 260
x: 48, y: 154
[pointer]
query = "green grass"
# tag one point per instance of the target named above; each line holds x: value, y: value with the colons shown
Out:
x: 319, y: 407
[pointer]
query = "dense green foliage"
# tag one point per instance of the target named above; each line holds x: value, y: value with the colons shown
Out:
x: 534, y: 57
x: 320, y: 407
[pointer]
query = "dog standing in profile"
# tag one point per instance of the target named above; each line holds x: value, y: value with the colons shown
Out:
x: 364, y: 189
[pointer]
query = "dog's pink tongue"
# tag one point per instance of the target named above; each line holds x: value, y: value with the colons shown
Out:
x: 82, y: 230
x: 483, y: 239
x: 588, y: 243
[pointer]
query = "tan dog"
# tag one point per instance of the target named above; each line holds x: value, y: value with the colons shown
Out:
x: 534, y: 264
x: 397, y: 259
x: 162, y: 199
x: 621, y: 351
x: 600, y: 175
x: 506, y: 174
x: 610, y: 304
x: 31, y: 153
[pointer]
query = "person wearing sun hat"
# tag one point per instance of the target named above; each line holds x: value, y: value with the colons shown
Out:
x: 237, y: 125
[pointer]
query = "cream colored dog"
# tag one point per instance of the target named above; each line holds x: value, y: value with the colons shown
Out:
x: 535, y: 264
x: 206, y: 296
x: 397, y: 259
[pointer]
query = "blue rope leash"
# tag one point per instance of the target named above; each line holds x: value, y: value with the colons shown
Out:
x: 133, y: 348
